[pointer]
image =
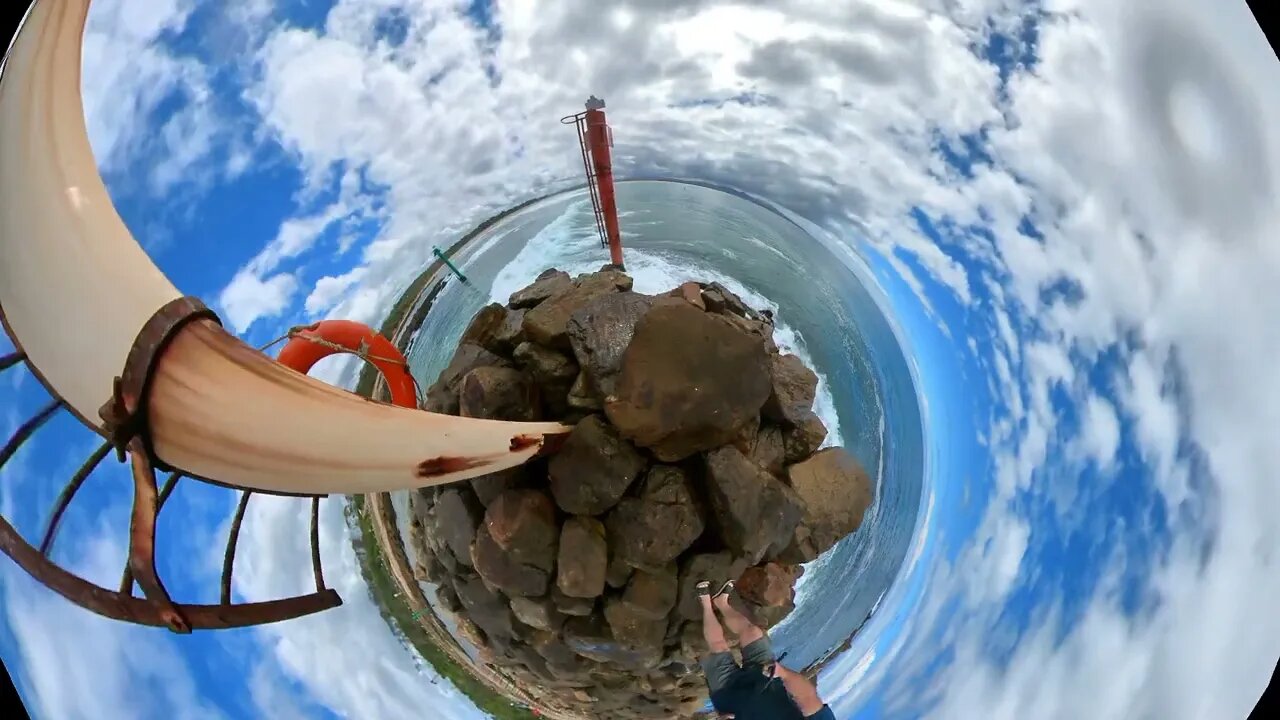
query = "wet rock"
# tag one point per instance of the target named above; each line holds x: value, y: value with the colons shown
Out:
x: 499, y: 394
x: 578, y: 607
x: 607, y: 278
x: 768, y: 585
x: 713, y: 567
x: 752, y: 509
x: 688, y: 383
x: 652, y: 529
x: 802, y: 440
x: 652, y: 595
x: 760, y: 331
x: 503, y: 571
x: 523, y: 523
x: 593, y: 469
x: 690, y: 292
x: 583, y: 558
x: 725, y: 300
x: 442, y: 397
x: 600, y: 332
x: 486, y: 609
x: 537, y: 613
x: 457, y: 515
x: 485, y: 326
x: 836, y: 492
x: 793, y: 388
x: 488, y: 487
x: 768, y: 450
x: 547, y: 324
x: 549, y: 283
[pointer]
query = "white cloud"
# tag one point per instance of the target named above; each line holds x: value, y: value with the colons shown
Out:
x: 346, y: 658
x: 1131, y: 147
x: 80, y: 665
x: 1101, y: 431
x: 248, y: 298
x: 329, y: 289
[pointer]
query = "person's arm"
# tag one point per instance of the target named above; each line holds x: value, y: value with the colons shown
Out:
x: 804, y: 693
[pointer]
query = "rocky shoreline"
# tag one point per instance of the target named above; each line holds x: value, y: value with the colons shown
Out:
x: 694, y: 455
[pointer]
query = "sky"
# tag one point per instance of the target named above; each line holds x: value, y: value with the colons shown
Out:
x: 1062, y: 205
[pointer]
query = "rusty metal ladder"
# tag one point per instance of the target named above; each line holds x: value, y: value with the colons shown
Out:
x: 579, y: 121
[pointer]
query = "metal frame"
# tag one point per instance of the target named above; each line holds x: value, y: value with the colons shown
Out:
x: 579, y: 121
x: 127, y: 431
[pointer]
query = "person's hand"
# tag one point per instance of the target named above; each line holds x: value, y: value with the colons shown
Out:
x: 799, y: 687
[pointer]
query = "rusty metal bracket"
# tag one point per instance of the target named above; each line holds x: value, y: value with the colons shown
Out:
x: 124, y: 416
x: 142, y: 539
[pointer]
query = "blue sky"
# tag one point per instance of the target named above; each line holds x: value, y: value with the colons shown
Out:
x: 1091, y: 345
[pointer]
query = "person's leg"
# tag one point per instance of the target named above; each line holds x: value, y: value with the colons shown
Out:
x: 718, y: 666
x: 712, y: 632
x: 738, y: 623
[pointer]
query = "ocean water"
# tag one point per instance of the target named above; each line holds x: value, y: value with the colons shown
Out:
x: 674, y: 232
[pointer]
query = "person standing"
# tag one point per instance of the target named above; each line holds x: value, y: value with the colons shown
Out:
x: 761, y: 688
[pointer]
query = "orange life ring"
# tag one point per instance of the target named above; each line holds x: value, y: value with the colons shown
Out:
x: 308, y: 345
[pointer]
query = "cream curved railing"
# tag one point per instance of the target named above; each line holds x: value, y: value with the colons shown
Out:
x: 84, y: 305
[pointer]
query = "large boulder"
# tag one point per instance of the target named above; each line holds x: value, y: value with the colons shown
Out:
x: 548, y: 283
x: 806, y: 437
x: 836, y: 492
x: 501, y: 570
x: 629, y: 624
x: 758, y: 330
x: 652, y: 595
x: 578, y: 607
x: 689, y: 382
x: 715, y: 568
x: 768, y: 585
x: 547, y: 323
x: 510, y: 334
x: 497, y: 393
x: 523, y: 523
x: 583, y: 559
x: 485, y: 326
x: 537, y: 613
x: 488, y: 487
x: 797, y: 549
x: 593, y: 469
x: 752, y: 509
x: 720, y: 299
x: 591, y: 638
x: 768, y: 449
x: 457, y: 515
x: 547, y: 367
x: 793, y: 387
x: 484, y: 608
x: 600, y: 332
x: 652, y: 529
x: 442, y: 396
x: 447, y: 598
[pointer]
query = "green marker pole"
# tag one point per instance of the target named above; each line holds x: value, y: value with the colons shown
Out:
x: 452, y: 267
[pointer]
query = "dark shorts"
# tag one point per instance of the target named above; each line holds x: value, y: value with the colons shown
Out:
x: 720, y: 667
